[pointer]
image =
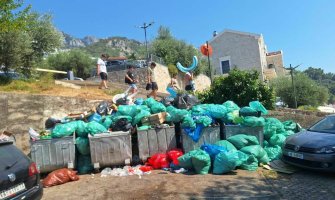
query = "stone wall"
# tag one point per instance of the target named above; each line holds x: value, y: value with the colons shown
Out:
x: 21, y: 111
x: 163, y: 78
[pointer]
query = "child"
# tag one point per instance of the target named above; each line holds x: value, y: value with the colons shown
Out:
x: 130, y: 79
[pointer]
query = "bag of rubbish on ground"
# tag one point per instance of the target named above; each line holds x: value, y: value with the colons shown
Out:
x: 291, y: 126
x: 277, y: 139
x: 256, y: 105
x: 213, y: 150
x: 226, y: 144
x: 51, y: 122
x: 194, y: 133
x: 274, y: 152
x: 231, y: 106
x: 106, y: 121
x: 188, y: 122
x: 122, y: 125
x: 83, y: 145
x: 84, y: 164
x: 128, y: 110
x: 232, y: 117
x: 201, y: 162
x: 227, y: 161
x: 205, y: 120
x: 94, y: 127
x: 216, y: 111
x: 159, y: 161
x: 185, y: 101
x: 103, y: 108
x: 248, y: 111
x: 251, y: 164
x: 63, y: 130
x: 242, y: 140
x: 59, y: 177
x: 272, y: 126
x: 137, y: 119
x: 157, y: 107
x: 258, y: 152
x: 253, y: 121
x: 185, y: 160
x: 176, y: 115
x: 174, y: 154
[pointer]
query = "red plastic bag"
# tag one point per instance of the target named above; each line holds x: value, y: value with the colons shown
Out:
x: 59, y: 177
x: 159, y: 161
x: 146, y: 168
x: 174, y: 154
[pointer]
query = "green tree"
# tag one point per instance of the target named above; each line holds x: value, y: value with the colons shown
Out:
x: 13, y: 17
x: 240, y: 87
x: 308, y: 91
x: 76, y: 60
x: 172, y: 69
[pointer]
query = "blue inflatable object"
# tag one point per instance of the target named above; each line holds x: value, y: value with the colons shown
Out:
x: 190, y: 68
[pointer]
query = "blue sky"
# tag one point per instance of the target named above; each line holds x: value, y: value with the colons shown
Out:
x: 303, y: 29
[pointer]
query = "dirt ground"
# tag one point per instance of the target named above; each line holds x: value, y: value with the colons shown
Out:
x: 240, y: 184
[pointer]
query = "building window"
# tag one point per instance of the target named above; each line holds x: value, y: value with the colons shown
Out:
x: 225, y: 66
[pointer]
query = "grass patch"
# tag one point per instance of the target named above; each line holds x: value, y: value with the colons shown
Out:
x: 113, y: 92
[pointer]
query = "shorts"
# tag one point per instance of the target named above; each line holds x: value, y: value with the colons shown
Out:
x: 103, y: 76
x: 189, y: 87
x: 154, y: 86
x: 133, y: 85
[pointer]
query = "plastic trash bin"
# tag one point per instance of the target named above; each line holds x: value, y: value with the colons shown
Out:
x: 158, y: 140
x: 52, y: 154
x: 110, y: 149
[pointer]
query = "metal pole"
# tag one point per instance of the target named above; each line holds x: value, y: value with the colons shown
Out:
x: 293, y: 85
x: 146, y: 43
x: 209, y: 63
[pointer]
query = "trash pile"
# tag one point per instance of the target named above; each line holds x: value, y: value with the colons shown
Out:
x: 238, y: 151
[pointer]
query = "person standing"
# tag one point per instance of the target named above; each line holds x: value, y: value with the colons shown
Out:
x: 130, y: 79
x: 189, y: 82
x: 102, y: 71
x: 152, y: 81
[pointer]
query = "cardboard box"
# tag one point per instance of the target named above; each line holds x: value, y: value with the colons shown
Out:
x: 154, y: 119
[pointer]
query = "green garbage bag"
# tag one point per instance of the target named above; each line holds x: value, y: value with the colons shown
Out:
x: 81, y: 129
x: 290, y: 125
x: 256, y: 105
x: 226, y: 144
x: 106, y: 121
x: 216, y: 111
x: 198, y: 110
x: 274, y: 152
x: 63, y: 130
x: 157, y: 108
x: 277, y: 139
x: 149, y: 102
x: 258, y: 152
x: 176, y: 115
x: 201, y: 162
x: 287, y: 133
x: 253, y: 121
x: 143, y: 107
x: 118, y: 116
x: 128, y: 110
x: 265, y: 143
x: 94, y: 127
x: 242, y: 140
x: 142, y: 128
x: 137, y: 119
x: 188, y: 122
x: 83, y: 145
x: 84, y: 164
x: 205, y: 120
x: 248, y: 111
x: 227, y: 161
x: 231, y: 106
x: 272, y: 126
x: 232, y: 117
x: 185, y: 161
x: 251, y: 164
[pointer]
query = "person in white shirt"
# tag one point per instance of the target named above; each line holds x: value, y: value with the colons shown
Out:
x: 102, y: 71
x: 189, y: 82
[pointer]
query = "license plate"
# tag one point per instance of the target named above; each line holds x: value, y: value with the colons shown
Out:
x: 296, y: 155
x: 12, y: 191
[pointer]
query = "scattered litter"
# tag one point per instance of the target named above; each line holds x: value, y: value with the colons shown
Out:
x: 126, y: 171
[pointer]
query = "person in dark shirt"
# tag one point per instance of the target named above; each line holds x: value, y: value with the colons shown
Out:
x: 130, y: 79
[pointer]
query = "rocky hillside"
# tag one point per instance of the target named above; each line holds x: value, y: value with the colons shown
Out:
x: 114, y: 46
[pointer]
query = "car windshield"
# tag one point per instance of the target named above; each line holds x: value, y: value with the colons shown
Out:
x: 9, y: 156
x: 326, y: 125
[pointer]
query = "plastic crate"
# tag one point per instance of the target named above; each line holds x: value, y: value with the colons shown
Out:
x: 110, y: 149
x: 158, y: 140
x: 258, y: 132
x: 209, y: 135
x: 52, y: 154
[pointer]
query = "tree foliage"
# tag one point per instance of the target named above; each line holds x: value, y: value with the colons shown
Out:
x: 12, y: 16
x: 240, y: 87
x: 76, y: 60
x: 172, y: 50
x: 308, y: 91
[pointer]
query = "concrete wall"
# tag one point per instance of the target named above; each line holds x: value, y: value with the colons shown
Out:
x: 21, y: 111
x: 243, y: 50
x: 277, y: 61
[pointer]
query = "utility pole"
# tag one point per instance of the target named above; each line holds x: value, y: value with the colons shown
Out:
x: 293, y: 85
x: 145, y: 26
x: 209, y: 63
